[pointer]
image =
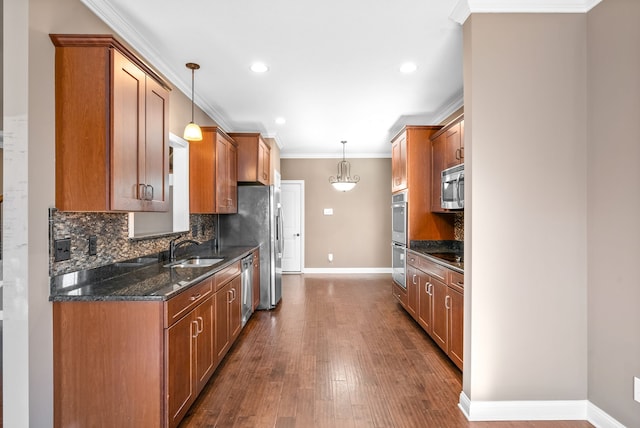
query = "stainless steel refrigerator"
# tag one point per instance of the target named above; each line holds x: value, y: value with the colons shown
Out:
x: 258, y: 222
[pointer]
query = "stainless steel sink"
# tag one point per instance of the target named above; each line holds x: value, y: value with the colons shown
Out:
x: 194, y: 262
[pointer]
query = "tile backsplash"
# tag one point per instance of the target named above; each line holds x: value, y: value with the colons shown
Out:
x: 114, y: 244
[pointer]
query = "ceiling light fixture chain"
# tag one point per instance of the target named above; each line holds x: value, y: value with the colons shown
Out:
x: 343, y: 181
x: 192, y: 131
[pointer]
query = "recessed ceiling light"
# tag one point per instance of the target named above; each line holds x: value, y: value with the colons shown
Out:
x: 408, y: 67
x: 280, y: 120
x: 259, y: 67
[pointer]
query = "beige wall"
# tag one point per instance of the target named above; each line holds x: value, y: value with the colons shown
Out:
x: 525, y: 148
x: 614, y: 204
x: 359, y: 232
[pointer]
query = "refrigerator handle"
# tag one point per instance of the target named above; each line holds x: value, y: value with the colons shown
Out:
x: 279, y: 228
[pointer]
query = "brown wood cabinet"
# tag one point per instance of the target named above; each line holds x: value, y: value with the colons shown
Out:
x: 399, y: 293
x: 228, y: 301
x: 190, y: 352
x: 438, y: 305
x: 213, y: 173
x: 411, y: 156
x: 447, y: 150
x: 254, y: 158
x: 149, y: 360
x: 256, y: 279
x: 399, y: 162
x: 112, y: 128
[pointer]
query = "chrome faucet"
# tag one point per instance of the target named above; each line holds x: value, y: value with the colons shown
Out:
x: 173, y: 246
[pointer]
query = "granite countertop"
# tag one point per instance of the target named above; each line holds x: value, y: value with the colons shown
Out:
x: 143, y: 278
x: 449, y: 254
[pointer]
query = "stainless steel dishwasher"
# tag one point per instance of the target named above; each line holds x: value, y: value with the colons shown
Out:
x: 247, y: 282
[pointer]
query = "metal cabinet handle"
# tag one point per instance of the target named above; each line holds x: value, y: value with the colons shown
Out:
x: 194, y: 335
x: 200, y: 325
x: 426, y: 288
x: 142, y: 191
x: 414, y: 279
x: 195, y: 297
x: 149, y: 197
x: 446, y: 302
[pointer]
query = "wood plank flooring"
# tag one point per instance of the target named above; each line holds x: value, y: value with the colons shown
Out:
x: 337, y: 352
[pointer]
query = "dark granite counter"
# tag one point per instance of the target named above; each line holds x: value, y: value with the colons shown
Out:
x: 142, y: 278
x: 449, y: 254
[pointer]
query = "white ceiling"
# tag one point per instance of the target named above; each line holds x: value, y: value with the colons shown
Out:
x: 333, y: 65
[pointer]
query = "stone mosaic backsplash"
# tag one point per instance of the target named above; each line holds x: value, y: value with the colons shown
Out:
x: 114, y: 244
x: 458, y: 226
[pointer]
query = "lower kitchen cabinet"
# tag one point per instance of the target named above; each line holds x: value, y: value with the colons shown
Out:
x: 141, y: 363
x: 435, y: 299
x: 400, y: 294
x: 228, y: 313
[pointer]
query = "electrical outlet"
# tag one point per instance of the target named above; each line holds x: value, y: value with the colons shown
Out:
x: 330, y: 257
x: 93, y: 245
x: 62, y: 249
x: 636, y: 388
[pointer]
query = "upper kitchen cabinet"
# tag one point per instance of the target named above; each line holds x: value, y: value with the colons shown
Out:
x: 254, y: 158
x: 411, y: 172
x: 112, y: 130
x: 447, y: 150
x: 213, y: 173
x: 399, y: 162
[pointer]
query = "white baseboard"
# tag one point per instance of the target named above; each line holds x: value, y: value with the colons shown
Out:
x: 560, y: 410
x: 347, y: 270
x: 600, y: 419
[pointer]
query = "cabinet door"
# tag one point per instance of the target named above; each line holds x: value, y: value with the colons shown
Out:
x: 180, y: 339
x: 425, y: 303
x: 264, y: 162
x: 438, y: 154
x: 456, y: 326
x: 454, y: 151
x: 232, y: 178
x: 202, y: 179
x: 440, y: 313
x: 413, y: 286
x: 127, y: 148
x: 235, y: 310
x: 399, y: 293
x: 222, y: 175
x: 205, y: 352
x: 399, y: 163
x: 222, y: 302
x: 156, y: 149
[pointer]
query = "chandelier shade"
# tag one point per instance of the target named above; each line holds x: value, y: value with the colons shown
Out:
x: 343, y: 181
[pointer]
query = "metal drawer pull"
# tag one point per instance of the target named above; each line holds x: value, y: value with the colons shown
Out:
x: 414, y: 279
x: 446, y: 302
x: 195, y: 297
x: 194, y: 335
x: 142, y: 191
x: 200, y: 323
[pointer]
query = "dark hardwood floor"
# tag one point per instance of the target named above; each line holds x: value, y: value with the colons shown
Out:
x: 337, y: 352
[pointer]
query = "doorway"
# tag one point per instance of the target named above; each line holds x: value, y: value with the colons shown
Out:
x: 293, y: 225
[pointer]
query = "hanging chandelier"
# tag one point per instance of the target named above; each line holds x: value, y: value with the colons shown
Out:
x: 343, y: 181
x: 192, y: 131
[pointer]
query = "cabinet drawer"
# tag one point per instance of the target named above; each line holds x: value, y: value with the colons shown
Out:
x: 180, y: 305
x: 400, y: 294
x: 226, y: 274
x: 456, y: 280
x: 433, y: 269
x: 413, y: 259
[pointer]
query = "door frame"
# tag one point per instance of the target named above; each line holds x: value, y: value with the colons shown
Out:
x: 302, y: 217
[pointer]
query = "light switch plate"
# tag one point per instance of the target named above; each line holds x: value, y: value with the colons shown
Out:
x: 328, y: 211
x: 636, y: 388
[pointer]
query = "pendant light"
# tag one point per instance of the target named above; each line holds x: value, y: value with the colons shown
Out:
x: 343, y: 181
x: 192, y: 131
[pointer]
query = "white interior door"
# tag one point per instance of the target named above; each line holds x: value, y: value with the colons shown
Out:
x: 293, y: 228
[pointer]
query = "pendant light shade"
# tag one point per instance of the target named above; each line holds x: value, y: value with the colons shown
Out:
x: 192, y: 131
x: 343, y: 181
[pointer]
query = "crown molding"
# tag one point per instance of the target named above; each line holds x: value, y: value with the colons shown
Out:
x: 103, y: 10
x: 464, y: 8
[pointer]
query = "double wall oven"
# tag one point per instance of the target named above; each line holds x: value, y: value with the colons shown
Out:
x: 399, y: 237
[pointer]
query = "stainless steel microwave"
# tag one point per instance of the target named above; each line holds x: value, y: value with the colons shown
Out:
x: 452, y: 188
x: 399, y: 218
